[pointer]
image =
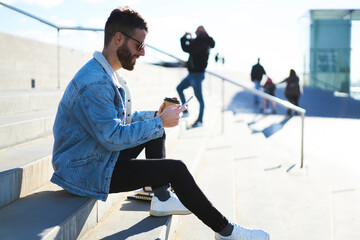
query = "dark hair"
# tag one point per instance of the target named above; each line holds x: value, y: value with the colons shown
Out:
x: 123, y: 20
x: 292, y: 73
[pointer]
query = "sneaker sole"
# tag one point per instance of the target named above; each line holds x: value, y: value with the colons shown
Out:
x: 217, y: 237
x: 162, y: 214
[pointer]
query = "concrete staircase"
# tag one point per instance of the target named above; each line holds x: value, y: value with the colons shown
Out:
x: 216, y: 177
x: 250, y: 172
x: 31, y: 207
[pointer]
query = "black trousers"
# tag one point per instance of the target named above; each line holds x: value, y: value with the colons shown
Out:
x: 294, y: 99
x: 131, y: 174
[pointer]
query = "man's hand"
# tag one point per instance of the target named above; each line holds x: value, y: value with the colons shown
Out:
x: 170, y: 117
x: 161, y: 109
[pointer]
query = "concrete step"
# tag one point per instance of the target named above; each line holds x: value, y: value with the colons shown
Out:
x: 24, y: 168
x: 52, y: 213
x: 22, y: 101
x: 22, y: 127
x: 345, y: 198
x: 321, y: 200
x: 256, y: 206
x: 215, y: 176
x: 288, y: 201
x: 130, y: 219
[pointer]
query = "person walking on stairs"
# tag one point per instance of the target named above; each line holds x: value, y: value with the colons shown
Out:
x: 198, y: 49
x: 257, y: 72
x: 293, y: 90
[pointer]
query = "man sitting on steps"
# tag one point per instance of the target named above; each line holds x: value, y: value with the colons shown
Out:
x: 97, y: 137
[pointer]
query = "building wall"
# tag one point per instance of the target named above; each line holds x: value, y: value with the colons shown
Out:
x: 23, y: 60
x: 330, y: 54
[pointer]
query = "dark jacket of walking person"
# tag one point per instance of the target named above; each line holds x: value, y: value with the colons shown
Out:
x: 257, y: 72
x: 199, y: 49
x: 292, y: 89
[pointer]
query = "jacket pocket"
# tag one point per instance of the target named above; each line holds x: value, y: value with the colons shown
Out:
x: 83, y: 162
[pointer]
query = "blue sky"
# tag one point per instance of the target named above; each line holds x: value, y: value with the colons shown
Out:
x: 244, y: 30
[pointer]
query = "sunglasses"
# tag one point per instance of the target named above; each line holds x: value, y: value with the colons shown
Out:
x: 141, y: 44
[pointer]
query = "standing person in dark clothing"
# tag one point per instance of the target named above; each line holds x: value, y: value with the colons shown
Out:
x: 292, y: 90
x: 199, y: 49
x: 257, y: 73
x: 97, y: 136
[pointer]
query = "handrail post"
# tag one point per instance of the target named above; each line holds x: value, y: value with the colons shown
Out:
x: 58, y: 57
x: 223, y: 104
x: 302, y: 139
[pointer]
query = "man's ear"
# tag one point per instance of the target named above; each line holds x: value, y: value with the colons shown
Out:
x: 118, y: 38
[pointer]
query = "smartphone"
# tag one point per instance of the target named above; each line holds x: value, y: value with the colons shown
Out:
x: 187, y: 101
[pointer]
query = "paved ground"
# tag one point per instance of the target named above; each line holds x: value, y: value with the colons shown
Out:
x: 332, y: 125
x: 319, y: 201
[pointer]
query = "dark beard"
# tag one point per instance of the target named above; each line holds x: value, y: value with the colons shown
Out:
x: 125, y: 57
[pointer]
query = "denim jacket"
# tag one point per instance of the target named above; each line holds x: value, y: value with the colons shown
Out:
x: 90, y: 130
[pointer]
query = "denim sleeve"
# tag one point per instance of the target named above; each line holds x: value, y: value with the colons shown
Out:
x: 103, y: 118
x: 142, y: 115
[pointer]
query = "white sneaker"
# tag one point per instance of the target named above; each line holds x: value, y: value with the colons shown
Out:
x: 240, y: 233
x: 172, y: 206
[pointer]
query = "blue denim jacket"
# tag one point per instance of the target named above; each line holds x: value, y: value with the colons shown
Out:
x: 90, y: 130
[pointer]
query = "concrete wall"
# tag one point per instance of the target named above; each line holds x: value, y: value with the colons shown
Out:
x: 22, y: 60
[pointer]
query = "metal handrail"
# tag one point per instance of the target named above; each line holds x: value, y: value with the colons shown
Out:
x: 262, y: 94
x: 279, y: 101
x: 254, y: 91
x: 47, y: 22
